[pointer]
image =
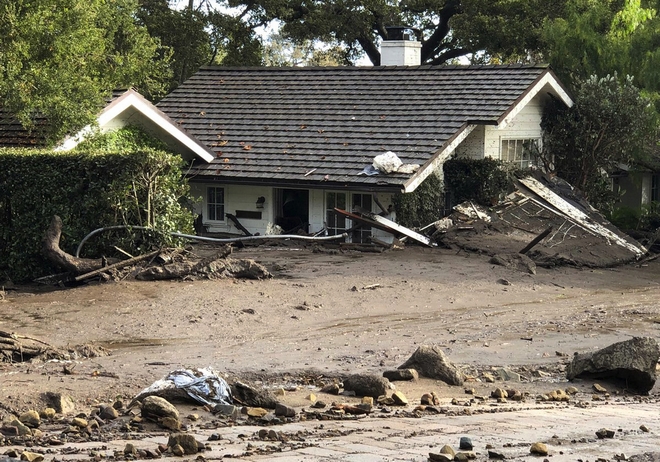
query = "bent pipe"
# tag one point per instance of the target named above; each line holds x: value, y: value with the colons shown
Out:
x: 213, y: 239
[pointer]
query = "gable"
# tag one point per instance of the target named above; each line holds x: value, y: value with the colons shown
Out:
x: 323, y: 126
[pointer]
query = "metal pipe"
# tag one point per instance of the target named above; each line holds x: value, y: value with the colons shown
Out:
x: 213, y: 239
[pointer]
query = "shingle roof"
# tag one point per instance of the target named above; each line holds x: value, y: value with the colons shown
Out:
x: 278, y: 124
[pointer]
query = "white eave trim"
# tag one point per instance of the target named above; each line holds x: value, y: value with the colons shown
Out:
x: 133, y: 99
x: 438, y: 159
x: 548, y: 78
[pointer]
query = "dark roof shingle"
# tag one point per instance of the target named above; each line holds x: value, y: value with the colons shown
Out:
x: 280, y: 123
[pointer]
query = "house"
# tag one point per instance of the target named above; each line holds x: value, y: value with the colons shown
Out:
x: 286, y: 146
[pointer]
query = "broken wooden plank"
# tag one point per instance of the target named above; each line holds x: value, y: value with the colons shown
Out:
x: 536, y: 240
x: 121, y: 264
x: 384, y: 224
x: 238, y: 224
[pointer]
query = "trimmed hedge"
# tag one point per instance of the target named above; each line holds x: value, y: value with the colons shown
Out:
x: 483, y: 181
x: 88, y: 190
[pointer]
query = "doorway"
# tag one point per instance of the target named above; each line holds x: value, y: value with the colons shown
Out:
x: 292, y: 210
x: 361, y: 202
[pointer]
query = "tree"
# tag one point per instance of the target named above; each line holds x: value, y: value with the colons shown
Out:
x: 60, y: 59
x: 609, y: 124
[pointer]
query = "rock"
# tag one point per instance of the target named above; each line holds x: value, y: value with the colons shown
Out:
x: 605, y: 433
x: 633, y: 361
x: 30, y: 419
x: 499, y: 393
x: 21, y: 428
x: 399, y: 398
x: 488, y: 377
x: 495, y: 455
x: 47, y: 413
x: 368, y: 400
x: 401, y: 375
x: 539, y: 449
x: 461, y: 457
x: 332, y: 389
x: 225, y: 409
x: 571, y: 390
x: 311, y: 397
x: 188, y: 442
x: 155, y: 407
x: 178, y: 450
x: 465, y: 443
x: 507, y: 375
x: 193, y: 417
x: 61, y: 403
x: 644, y: 428
x: 646, y: 457
x: 284, y: 411
x: 170, y: 423
x: 435, y: 457
x: 366, y: 385
x: 252, y: 397
x: 515, y: 261
x: 599, y: 388
x: 108, y: 413
x: 79, y: 422
x: 319, y: 405
x: 32, y: 456
x: 446, y: 449
x: 431, y: 362
x: 257, y: 411
x: 130, y: 449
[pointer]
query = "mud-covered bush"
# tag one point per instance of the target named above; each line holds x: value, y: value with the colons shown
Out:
x: 88, y: 190
x: 422, y: 206
x: 482, y: 181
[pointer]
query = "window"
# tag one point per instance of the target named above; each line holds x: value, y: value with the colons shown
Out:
x: 520, y: 152
x: 335, y: 223
x: 215, y: 204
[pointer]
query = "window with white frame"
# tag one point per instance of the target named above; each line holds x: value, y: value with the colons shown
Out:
x: 520, y: 152
x: 334, y: 222
x: 215, y: 203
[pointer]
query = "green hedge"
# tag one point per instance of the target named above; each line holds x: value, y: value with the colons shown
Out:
x: 87, y: 190
x: 483, y: 181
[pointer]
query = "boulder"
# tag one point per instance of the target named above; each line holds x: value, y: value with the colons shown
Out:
x: 401, y: 375
x: 632, y: 361
x: 155, y: 407
x: 187, y: 442
x: 249, y: 396
x: 367, y: 385
x: 431, y: 362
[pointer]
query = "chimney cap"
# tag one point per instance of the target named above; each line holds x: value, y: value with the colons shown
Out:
x: 402, y: 33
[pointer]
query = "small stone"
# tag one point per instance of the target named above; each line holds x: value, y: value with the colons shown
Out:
x: 155, y: 407
x: 332, y: 389
x: 108, y: 413
x: 435, y: 457
x: 644, y: 428
x: 495, y: 455
x: 61, y: 403
x: 311, y: 397
x: 470, y: 391
x: 79, y: 422
x: 178, y: 450
x: 507, y: 375
x: 319, y: 404
x: 539, y: 449
x: 32, y: 456
x: 399, y: 398
x: 130, y: 449
x: 427, y: 399
x: 188, y: 442
x: 193, y: 417
x: 30, y: 419
x: 284, y: 411
x: 488, y: 377
x: 93, y: 425
x: 48, y: 413
x: 461, y: 457
x: 170, y: 423
x: 224, y: 409
x: 280, y: 392
x: 263, y: 433
x: 599, y: 388
x: 401, y: 375
x: 572, y: 390
x: 446, y: 449
x: 605, y: 433
x: 465, y: 443
x: 256, y: 412
x: 499, y: 393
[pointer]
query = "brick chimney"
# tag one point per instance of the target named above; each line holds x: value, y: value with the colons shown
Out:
x: 401, y: 47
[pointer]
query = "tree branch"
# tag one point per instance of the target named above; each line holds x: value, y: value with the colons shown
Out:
x: 429, y: 48
x: 448, y: 55
x: 370, y: 49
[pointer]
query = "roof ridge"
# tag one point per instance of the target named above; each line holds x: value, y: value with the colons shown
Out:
x: 371, y: 68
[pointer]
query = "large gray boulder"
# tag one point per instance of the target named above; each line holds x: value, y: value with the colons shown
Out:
x: 632, y: 361
x: 430, y: 361
x: 367, y: 385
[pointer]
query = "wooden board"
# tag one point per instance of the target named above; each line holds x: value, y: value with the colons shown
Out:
x: 384, y: 224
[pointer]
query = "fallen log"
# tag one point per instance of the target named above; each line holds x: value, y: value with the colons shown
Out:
x: 119, y: 265
x: 52, y: 251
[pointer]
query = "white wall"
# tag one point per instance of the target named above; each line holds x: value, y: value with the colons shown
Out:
x: 526, y: 125
x: 473, y: 145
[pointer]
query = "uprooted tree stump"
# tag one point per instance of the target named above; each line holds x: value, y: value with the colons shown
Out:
x: 157, y: 265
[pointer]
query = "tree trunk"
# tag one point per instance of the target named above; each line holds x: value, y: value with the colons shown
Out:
x: 51, y: 250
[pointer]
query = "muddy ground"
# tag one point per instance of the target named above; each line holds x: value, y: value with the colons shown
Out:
x: 329, y: 315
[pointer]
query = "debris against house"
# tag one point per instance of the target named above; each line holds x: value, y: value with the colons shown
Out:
x: 389, y: 162
x: 202, y: 385
x: 633, y: 361
x: 382, y: 223
x: 545, y: 219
